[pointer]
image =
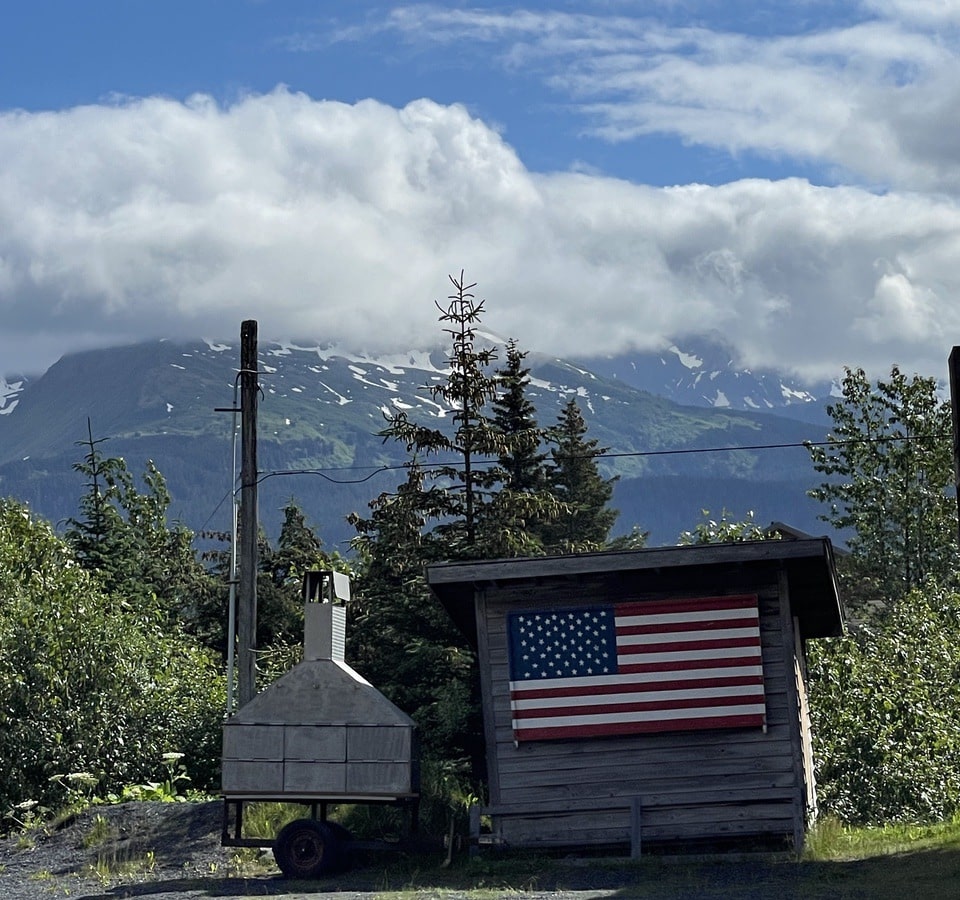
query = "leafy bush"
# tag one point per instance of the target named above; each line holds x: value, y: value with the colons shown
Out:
x: 884, y: 702
x: 89, y: 683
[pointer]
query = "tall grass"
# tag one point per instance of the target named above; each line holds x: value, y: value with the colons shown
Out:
x: 830, y: 839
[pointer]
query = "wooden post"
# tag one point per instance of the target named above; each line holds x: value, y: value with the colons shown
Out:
x: 955, y: 403
x: 636, y: 822
x: 249, y: 525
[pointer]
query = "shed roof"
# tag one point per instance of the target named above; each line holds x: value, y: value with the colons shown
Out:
x: 809, y: 563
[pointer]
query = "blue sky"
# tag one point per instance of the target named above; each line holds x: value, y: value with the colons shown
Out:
x: 613, y: 173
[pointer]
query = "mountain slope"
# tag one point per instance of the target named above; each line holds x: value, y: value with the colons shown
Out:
x: 321, y: 409
x: 702, y: 371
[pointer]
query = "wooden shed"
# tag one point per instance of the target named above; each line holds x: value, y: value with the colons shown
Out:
x: 652, y: 695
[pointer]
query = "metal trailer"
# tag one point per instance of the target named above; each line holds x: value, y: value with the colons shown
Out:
x: 318, y: 736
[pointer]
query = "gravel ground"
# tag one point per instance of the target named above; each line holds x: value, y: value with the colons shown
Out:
x: 172, y: 851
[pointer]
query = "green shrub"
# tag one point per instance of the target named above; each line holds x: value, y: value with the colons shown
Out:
x: 88, y: 682
x: 884, y: 706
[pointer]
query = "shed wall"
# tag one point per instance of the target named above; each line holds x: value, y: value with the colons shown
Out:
x: 691, y: 785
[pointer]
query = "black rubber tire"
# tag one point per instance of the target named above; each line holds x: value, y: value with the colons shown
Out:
x: 306, y: 848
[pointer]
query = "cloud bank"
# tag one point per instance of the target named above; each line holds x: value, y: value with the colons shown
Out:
x: 339, y: 223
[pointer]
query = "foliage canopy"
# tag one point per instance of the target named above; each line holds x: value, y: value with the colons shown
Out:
x: 91, y: 682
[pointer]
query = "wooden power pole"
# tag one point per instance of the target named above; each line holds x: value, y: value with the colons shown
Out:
x: 955, y: 405
x: 249, y: 525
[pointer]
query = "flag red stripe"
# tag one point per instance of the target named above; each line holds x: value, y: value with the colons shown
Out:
x: 661, y: 607
x: 686, y: 665
x: 705, y: 644
x: 639, y: 706
x: 533, y: 692
x: 696, y: 625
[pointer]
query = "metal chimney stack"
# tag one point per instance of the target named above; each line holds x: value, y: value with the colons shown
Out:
x: 325, y: 594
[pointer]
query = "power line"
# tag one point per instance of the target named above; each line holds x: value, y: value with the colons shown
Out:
x: 323, y: 473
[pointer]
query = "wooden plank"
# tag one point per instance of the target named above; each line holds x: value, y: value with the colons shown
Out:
x: 586, y: 829
x: 814, y: 549
x: 789, y: 661
x: 682, y: 740
x: 636, y: 827
x: 664, y: 792
x: 769, y: 770
x: 666, y: 753
x: 661, y: 748
x: 806, y: 735
x: 488, y: 692
x: 653, y: 803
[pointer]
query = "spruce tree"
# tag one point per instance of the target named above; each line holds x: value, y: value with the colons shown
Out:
x: 467, y: 390
x: 122, y: 534
x: 585, y: 518
x: 522, y: 461
x: 399, y: 637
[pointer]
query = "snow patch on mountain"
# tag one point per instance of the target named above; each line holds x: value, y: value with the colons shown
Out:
x: 687, y: 360
x: 341, y: 400
x: 792, y: 394
x: 9, y: 399
x: 393, y: 364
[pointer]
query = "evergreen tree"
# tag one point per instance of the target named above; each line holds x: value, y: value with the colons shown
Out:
x: 279, y: 592
x: 468, y: 389
x: 280, y: 579
x: 475, y: 515
x: 585, y: 519
x: 399, y: 637
x: 100, y: 538
x: 522, y: 461
x: 889, y: 466
x: 122, y: 534
x: 459, y: 509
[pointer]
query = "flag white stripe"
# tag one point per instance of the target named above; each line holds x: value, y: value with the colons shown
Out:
x: 636, y: 678
x: 669, y: 637
x: 690, y: 655
x: 753, y: 709
x: 753, y: 691
x: 709, y: 615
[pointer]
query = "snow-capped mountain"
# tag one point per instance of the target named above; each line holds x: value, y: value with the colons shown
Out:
x: 319, y: 416
x: 703, y: 371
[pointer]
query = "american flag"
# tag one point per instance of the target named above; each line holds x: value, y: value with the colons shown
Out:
x: 636, y: 667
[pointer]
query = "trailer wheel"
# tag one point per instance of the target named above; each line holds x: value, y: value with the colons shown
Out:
x: 306, y: 848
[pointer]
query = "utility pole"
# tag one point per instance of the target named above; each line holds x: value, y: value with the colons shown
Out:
x: 954, y: 365
x: 247, y: 605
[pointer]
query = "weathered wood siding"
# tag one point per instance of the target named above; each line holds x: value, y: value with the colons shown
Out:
x: 691, y: 785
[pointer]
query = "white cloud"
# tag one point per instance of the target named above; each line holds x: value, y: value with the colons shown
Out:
x: 332, y: 222
x: 877, y: 97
